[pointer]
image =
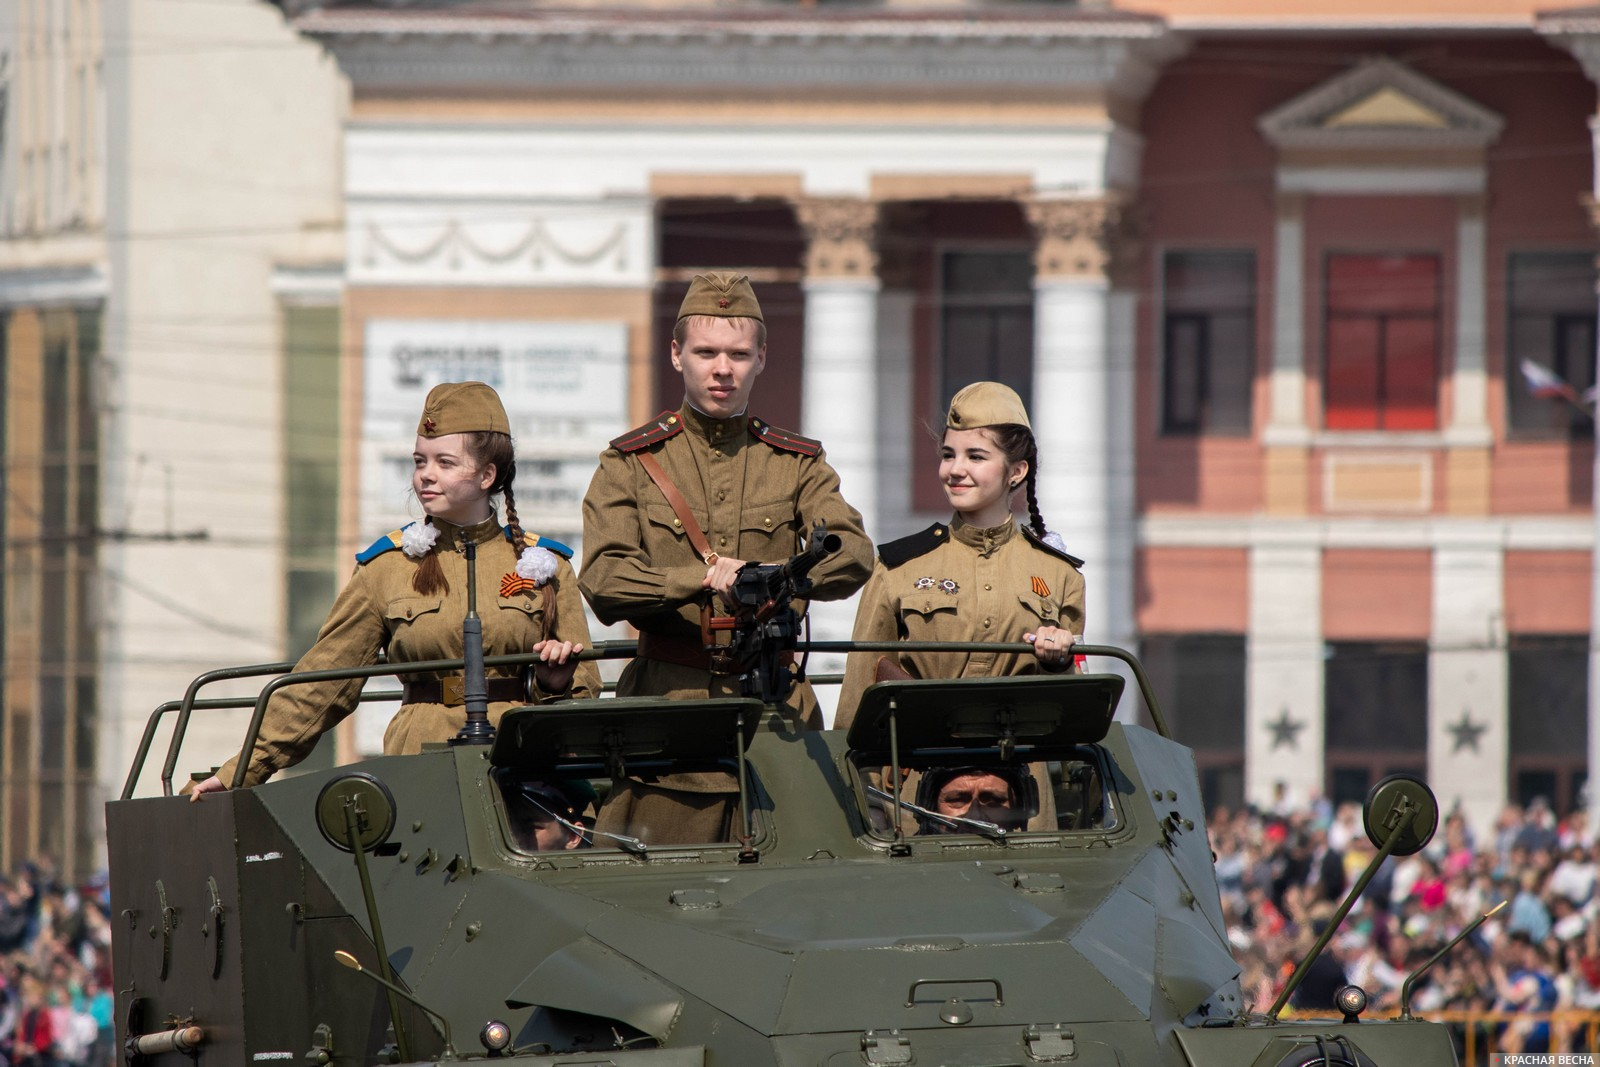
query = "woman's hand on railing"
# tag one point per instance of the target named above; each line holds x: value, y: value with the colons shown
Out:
x: 210, y: 785
x: 558, y: 661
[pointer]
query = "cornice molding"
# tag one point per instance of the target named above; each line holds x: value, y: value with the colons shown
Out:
x: 439, y: 50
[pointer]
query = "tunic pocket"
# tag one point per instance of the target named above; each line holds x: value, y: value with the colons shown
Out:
x: 767, y: 532
x: 1046, y: 611
x: 664, y: 519
x: 931, y: 618
x: 524, y: 617
x: 408, y: 608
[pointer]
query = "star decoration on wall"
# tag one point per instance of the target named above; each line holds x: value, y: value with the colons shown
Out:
x: 1285, y: 731
x: 1466, y: 732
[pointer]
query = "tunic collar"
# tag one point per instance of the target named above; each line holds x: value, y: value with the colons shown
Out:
x: 450, y: 534
x: 707, y: 428
x: 984, y: 539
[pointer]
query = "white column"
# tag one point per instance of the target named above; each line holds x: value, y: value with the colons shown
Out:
x: 1286, y: 424
x: 1469, y: 416
x: 898, y: 436
x: 1082, y: 405
x: 1468, y: 724
x: 1283, y: 722
x: 839, y: 380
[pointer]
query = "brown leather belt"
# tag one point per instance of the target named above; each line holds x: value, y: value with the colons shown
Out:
x: 684, y: 652
x: 452, y: 690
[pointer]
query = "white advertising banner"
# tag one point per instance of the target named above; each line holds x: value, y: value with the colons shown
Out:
x: 564, y: 386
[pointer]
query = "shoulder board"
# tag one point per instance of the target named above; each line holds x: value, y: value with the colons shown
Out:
x: 533, y: 540
x: 1038, y: 542
x: 380, y: 546
x: 783, y: 440
x: 913, y: 545
x: 665, y: 425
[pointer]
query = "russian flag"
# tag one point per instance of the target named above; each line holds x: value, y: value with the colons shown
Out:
x: 1545, y: 383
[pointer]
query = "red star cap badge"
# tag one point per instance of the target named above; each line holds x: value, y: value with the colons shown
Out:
x: 722, y: 302
x: 429, y: 425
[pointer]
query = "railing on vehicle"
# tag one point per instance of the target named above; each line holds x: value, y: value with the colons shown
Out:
x: 283, y: 675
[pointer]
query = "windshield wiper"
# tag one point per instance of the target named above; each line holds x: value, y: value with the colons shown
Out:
x: 992, y: 831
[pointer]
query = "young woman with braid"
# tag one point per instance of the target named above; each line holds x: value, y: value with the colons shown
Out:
x: 408, y: 598
x: 980, y: 578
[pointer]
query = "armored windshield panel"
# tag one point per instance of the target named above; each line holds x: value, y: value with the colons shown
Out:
x: 1044, y: 711
x: 627, y: 733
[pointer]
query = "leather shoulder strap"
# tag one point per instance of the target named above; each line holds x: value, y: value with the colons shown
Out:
x: 680, y: 506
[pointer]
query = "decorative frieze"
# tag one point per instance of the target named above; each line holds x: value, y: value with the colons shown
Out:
x: 842, y: 237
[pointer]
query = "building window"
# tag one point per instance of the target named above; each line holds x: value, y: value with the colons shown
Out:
x: 51, y: 525
x: 1382, y: 351
x: 1375, y: 708
x: 985, y: 319
x: 1550, y: 310
x: 1208, y: 342
x: 1548, y: 696
x: 1199, y: 680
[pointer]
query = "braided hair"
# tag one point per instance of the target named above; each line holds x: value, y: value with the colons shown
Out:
x: 1017, y: 444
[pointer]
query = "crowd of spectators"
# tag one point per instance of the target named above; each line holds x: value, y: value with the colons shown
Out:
x: 1282, y: 874
x: 55, y: 971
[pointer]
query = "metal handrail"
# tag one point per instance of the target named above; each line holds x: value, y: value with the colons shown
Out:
x: 286, y: 676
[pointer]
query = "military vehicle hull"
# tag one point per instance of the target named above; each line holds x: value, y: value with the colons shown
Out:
x: 813, y: 942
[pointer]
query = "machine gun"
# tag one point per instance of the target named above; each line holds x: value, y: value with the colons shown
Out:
x: 764, y: 625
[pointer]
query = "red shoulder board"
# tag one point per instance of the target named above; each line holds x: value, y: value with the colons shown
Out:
x: 665, y: 425
x: 783, y: 440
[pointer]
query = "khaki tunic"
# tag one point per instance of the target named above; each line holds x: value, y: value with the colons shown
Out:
x: 753, y: 501
x: 380, y: 611
x: 978, y: 585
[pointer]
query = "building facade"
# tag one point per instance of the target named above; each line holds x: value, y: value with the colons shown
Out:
x: 1266, y: 274
x: 168, y: 220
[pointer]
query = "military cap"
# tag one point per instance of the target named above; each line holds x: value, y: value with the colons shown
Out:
x: 986, y: 404
x: 462, y: 407
x: 721, y: 295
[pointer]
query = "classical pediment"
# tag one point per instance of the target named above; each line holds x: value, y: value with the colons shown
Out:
x: 1380, y: 103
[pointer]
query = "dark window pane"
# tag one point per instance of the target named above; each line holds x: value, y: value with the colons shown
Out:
x: 1208, y: 362
x: 85, y: 714
x: 986, y: 319
x: 1200, y: 680
x: 1550, y: 312
x: 1549, y: 696
x: 1376, y: 699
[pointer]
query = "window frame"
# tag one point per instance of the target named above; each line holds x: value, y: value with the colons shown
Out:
x: 1166, y: 317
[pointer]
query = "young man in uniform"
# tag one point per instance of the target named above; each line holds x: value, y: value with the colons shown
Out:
x: 681, y: 503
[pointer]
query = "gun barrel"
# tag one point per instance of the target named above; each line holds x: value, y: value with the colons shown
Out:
x: 820, y: 548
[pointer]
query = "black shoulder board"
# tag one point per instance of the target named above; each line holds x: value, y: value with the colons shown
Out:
x: 913, y: 545
x: 783, y: 440
x: 1038, y: 542
x: 665, y: 425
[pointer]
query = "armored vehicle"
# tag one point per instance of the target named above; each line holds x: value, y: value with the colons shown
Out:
x: 463, y: 903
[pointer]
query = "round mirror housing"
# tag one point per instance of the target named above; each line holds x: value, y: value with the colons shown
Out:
x: 1386, y: 812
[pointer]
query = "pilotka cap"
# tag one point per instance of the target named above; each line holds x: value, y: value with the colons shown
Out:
x: 721, y: 295
x: 986, y: 404
x: 462, y: 407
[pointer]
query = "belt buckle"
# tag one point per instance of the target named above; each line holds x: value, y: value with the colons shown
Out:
x: 453, y: 690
